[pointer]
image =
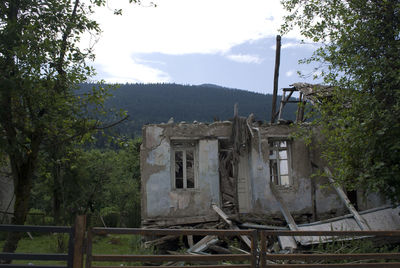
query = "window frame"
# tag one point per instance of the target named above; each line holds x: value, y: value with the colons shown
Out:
x: 184, y: 147
x: 276, y: 179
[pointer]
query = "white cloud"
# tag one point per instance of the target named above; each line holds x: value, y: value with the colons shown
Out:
x: 296, y: 45
x: 244, y: 58
x: 289, y: 73
x: 188, y: 26
x: 116, y: 67
x: 179, y: 27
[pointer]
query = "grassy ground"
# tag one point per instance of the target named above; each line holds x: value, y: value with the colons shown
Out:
x: 111, y: 244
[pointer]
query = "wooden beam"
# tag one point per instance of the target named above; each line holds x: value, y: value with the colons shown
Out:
x: 203, y: 243
x: 276, y: 76
x: 190, y: 240
x: 357, y: 217
x: 233, y: 226
x: 157, y: 223
x: 285, y: 241
x: 285, y: 211
x: 159, y: 241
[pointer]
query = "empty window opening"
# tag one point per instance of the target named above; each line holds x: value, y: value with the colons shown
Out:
x: 279, y: 162
x: 184, y: 168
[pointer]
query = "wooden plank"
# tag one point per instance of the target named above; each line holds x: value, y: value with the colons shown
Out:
x: 33, y: 256
x: 243, y: 187
x: 161, y: 232
x: 222, y: 214
x: 203, y: 243
x: 190, y: 240
x: 244, y: 238
x: 157, y: 258
x: 79, y: 237
x: 331, y: 256
x: 178, y: 221
x: 261, y: 226
x: 191, y: 266
x: 285, y: 241
x: 285, y: 211
x: 159, y: 241
x: 337, y: 265
x: 30, y: 266
x: 34, y: 228
x: 359, y: 219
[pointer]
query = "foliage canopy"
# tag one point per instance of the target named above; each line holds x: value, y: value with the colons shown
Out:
x: 41, y: 64
x: 360, y: 55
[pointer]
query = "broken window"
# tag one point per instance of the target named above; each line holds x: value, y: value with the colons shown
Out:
x: 184, y: 165
x: 279, y: 162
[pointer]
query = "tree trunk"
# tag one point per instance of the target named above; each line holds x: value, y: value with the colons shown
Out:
x: 23, y: 172
x: 57, y: 193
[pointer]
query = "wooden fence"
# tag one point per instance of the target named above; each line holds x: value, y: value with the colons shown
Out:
x: 264, y: 257
x: 258, y: 256
x: 74, y: 257
x: 251, y: 258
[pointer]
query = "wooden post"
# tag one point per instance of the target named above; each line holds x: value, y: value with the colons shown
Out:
x: 79, y: 237
x: 235, y: 158
x: 254, y: 248
x: 276, y: 76
x: 235, y: 110
x: 263, y: 250
x: 89, y: 249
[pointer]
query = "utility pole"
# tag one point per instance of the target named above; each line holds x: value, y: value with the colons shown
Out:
x: 276, y: 77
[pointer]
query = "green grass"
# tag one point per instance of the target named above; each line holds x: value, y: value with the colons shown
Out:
x: 111, y: 244
x: 40, y: 244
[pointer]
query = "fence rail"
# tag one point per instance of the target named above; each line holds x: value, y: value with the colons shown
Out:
x: 264, y: 258
x: 256, y: 258
x: 251, y: 257
x: 68, y: 257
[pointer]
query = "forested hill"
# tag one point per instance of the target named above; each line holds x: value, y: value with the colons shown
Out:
x: 157, y: 103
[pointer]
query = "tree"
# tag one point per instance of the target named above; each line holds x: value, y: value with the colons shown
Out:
x: 41, y: 65
x: 361, y: 121
x: 96, y: 182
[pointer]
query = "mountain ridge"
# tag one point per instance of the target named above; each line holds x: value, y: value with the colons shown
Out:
x: 157, y: 103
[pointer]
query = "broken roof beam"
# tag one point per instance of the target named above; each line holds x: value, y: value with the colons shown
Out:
x: 285, y: 241
x: 203, y: 244
x: 358, y: 218
x: 285, y: 211
x: 244, y: 238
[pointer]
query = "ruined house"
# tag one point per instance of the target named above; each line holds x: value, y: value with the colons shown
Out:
x: 255, y: 172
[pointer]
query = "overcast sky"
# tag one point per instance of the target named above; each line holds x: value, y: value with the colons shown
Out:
x: 225, y: 42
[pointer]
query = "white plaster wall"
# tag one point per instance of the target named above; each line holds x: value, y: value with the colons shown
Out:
x: 208, y: 179
x: 158, y: 184
x: 164, y: 201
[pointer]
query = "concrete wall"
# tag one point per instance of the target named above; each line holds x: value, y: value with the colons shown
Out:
x: 297, y: 196
x: 159, y: 198
x: 304, y: 196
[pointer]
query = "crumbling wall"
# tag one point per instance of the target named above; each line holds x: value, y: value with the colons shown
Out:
x: 304, y: 200
x: 253, y: 196
x: 160, y: 198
